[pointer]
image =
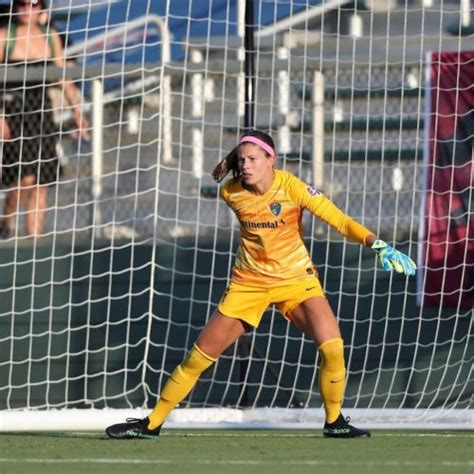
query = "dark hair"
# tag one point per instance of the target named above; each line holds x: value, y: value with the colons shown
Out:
x: 43, y: 3
x: 231, y: 160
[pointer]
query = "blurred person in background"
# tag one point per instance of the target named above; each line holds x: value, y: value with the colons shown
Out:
x: 30, y: 161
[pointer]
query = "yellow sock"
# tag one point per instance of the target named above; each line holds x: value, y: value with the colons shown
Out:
x: 180, y: 383
x: 332, y: 374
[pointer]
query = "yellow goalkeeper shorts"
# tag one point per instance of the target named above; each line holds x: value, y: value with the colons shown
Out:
x: 248, y: 303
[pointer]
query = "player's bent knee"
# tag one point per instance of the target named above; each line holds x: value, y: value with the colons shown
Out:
x: 332, y: 351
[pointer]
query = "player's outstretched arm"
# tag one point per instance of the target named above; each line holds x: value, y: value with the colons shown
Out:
x: 392, y: 259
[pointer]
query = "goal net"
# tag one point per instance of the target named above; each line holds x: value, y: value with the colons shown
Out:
x: 136, y: 247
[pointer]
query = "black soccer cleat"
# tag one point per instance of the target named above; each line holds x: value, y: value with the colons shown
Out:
x: 134, y: 428
x: 342, y: 429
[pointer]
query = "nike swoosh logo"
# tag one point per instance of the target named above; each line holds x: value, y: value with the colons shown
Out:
x: 337, y: 381
x: 310, y: 288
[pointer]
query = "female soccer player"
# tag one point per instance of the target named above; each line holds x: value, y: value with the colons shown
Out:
x: 272, y: 266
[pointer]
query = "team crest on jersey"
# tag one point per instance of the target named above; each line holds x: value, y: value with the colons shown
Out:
x: 312, y: 191
x: 275, y: 207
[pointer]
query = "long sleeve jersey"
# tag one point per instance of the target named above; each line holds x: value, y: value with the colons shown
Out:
x: 272, y: 249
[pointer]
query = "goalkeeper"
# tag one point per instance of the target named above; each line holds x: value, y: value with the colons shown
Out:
x: 272, y: 266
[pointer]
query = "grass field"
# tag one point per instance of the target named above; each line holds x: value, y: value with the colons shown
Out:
x: 239, y: 451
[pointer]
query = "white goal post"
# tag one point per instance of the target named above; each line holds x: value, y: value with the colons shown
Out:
x: 137, y: 248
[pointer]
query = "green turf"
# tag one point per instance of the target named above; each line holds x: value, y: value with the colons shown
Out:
x: 239, y: 451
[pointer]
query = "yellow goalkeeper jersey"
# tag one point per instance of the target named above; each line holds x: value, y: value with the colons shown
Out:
x: 272, y: 249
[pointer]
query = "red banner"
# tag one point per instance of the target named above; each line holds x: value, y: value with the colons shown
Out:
x: 448, y: 244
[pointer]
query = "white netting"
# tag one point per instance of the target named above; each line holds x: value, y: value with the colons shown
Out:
x: 137, y: 249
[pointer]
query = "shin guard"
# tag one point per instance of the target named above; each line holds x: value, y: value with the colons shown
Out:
x: 179, y: 384
x: 332, y: 375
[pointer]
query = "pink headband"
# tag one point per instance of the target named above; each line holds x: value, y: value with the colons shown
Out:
x: 260, y: 143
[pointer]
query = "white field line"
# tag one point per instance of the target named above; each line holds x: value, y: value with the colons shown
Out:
x: 240, y: 434
x: 247, y: 462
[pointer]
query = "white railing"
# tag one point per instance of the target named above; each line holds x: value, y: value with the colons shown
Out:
x: 97, y: 98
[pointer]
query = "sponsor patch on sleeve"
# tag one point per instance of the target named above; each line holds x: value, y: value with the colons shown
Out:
x: 312, y: 191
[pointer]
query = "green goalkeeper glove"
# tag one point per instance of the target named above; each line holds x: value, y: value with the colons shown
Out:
x: 392, y: 259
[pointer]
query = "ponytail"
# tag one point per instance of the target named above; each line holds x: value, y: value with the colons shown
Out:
x: 230, y: 162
